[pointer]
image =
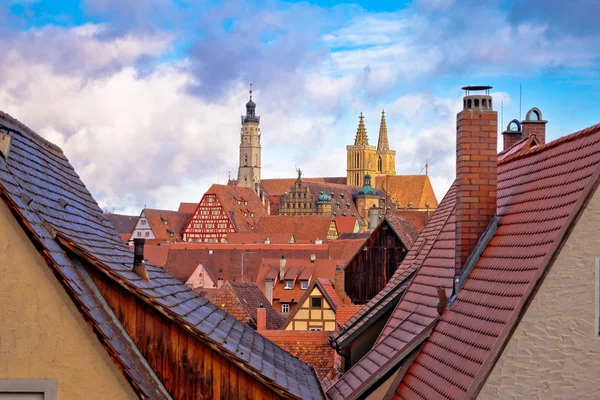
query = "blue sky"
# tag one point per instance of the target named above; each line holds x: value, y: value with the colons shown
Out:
x: 145, y: 97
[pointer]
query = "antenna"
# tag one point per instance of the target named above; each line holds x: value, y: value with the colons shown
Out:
x: 502, y: 114
x: 520, y: 99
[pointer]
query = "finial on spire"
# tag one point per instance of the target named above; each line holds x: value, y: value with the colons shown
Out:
x: 426, y: 167
x: 251, y: 90
x: 382, y: 143
x: 361, y: 134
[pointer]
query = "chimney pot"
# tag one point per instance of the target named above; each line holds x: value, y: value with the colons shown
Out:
x: 533, y: 124
x: 219, y: 282
x: 282, y: 263
x: 139, y: 265
x: 512, y: 134
x: 443, y: 300
x: 261, y: 318
x: 340, y: 281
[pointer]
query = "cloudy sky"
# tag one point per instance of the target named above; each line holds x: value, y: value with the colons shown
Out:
x: 145, y: 97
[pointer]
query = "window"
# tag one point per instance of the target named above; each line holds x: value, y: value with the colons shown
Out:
x: 139, y: 234
x: 210, y: 226
x: 44, y: 389
x: 197, y: 226
x: 289, y: 284
x: 166, y: 222
x: 285, y: 308
x: 147, y: 234
x: 315, y: 302
x: 143, y: 222
x: 216, y: 212
x: 222, y: 226
x: 315, y: 329
x: 303, y: 285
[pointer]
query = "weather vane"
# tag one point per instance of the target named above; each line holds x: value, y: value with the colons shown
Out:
x: 250, y: 89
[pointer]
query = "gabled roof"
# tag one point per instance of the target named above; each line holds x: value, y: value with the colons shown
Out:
x: 242, y: 205
x: 398, y: 283
x: 123, y: 224
x: 402, y: 228
x: 541, y: 193
x: 416, y: 219
x: 345, y: 249
x: 405, y: 190
x: 247, y: 295
x: 277, y: 187
x: 165, y: 223
x: 345, y: 224
x: 304, y: 227
x: 55, y: 208
x: 415, y: 312
x: 519, y: 147
x: 187, y: 207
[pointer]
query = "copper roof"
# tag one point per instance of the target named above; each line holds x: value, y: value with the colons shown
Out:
x: 541, y: 193
x: 408, y: 191
x: 42, y: 188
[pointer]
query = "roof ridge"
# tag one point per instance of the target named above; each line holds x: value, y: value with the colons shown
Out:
x: 557, y: 142
x: 23, y: 128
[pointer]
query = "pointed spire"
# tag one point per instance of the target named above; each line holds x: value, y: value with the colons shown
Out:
x: 361, y: 134
x: 382, y: 144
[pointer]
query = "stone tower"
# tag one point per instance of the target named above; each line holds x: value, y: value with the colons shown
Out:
x: 249, y: 169
x: 361, y: 157
x: 386, y: 158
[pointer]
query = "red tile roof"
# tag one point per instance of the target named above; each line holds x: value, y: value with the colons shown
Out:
x: 345, y: 224
x: 396, y: 286
x: 405, y: 232
x: 187, y: 207
x: 345, y: 311
x: 408, y: 191
x: 157, y: 255
x: 312, y: 347
x: 165, y: 222
x: 345, y: 249
x: 255, y: 237
x: 417, y: 219
x: 277, y: 187
x: 40, y: 185
x: 417, y: 308
x: 242, y: 299
x: 541, y: 192
x: 304, y: 228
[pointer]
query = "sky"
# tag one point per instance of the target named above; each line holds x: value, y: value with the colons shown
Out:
x: 145, y: 97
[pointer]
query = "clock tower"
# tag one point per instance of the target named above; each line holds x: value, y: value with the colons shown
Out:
x: 249, y: 169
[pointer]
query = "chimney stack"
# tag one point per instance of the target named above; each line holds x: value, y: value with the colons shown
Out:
x: 476, y: 165
x: 219, y: 282
x: 313, y: 257
x: 261, y: 318
x: 139, y: 265
x: 534, y: 125
x: 340, y: 281
x: 512, y: 134
x: 373, y: 218
x: 282, y: 268
x: 443, y: 300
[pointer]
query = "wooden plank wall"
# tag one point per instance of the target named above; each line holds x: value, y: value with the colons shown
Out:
x: 369, y: 271
x: 188, y: 368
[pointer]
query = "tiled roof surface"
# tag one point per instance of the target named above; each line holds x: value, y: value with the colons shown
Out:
x: 540, y: 193
x: 187, y: 207
x: 39, y: 182
x: 225, y: 259
x: 157, y: 255
x: 399, y: 281
x: 519, y: 147
x: 163, y: 222
x: 242, y: 299
x: 345, y: 224
x: 354, y: 236
x: 342, y: 194
x: 345, y: 311
x: 405, y: 232
x: 311, y: 347
x: 345, y: 249
x: 417, y: 219
x: 277, y: 187
x: 304, y: 228
x: 417, y: 308
x: 255, y: 237
x: 328, y: 290
x: 122, y: 223
x: 405, y: 190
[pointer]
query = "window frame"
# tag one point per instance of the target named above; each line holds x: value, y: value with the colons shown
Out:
x: 285, y: 284
x: 304, y: 284
x: 46, y: 387
x: 312, y: 305
x: 287, y: 305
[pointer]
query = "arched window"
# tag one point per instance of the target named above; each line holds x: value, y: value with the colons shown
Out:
x: 379, y: 164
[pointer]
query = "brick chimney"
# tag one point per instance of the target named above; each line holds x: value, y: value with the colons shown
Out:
x: 282, y: 268
x: 340, y: 281
x: 534, y: 125
x: 512, y: 134
x: 139, y: 265
x: 476, y: 177
x: 261, y: 318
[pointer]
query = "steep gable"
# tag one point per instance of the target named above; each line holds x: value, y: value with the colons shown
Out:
x: 408, y: 191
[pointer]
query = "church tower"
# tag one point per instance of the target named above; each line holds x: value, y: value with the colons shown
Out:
x: 386, y: 158
x: 360, y: 157
x: 249, y: 169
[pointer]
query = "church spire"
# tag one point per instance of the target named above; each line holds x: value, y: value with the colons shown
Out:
x: 382, y: 144
x: 361, y: 134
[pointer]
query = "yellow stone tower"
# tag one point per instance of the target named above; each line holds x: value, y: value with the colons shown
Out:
x: 363, y: 159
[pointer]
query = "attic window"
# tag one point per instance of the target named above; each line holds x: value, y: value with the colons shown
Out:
x: 143, y: 222
x: 252, y: 215
x: 289, y: 284
x: 165, y: 221
x: 285, y: 308
x: 316, y: 302
x: 239, y: 203
x: 303, y: 285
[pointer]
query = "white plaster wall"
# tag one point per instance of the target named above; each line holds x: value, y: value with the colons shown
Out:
x: 555, y: 352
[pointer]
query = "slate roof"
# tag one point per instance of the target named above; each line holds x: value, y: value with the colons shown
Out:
x: 38, y: 182
x: 304, y: 227
x: 122, y: 223
x: 237, y: 296
x: 541, y: 193
x: 398, y: 283
x: 403, y: 190
x: 433, y: 265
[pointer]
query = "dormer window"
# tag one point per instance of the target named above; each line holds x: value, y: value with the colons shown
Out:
x: 289, y: 284
x: 303, y: 285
